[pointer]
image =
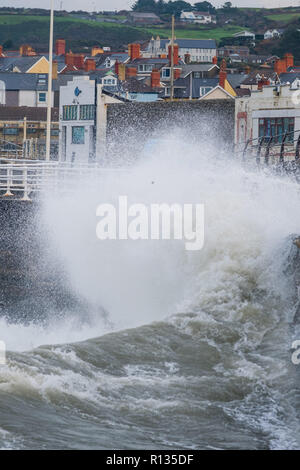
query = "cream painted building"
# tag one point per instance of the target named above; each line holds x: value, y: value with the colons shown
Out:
x: 270, y: 112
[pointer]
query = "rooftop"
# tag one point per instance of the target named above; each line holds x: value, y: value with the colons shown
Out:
x: 191, y: 43
x: 9, y: 113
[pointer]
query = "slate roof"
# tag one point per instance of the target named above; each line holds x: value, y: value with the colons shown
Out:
x: 235, y: 79
x: 119, y: 56
x: 149, y: 60
x: 183, y: 86
x: 192, y: 43
x: 7, y: 64
x: 187, y: 68
x: 289, y: 77
x: 23, y: 81
x: 252, y: 79
x: 9, y: 113
x: 132, y: 85
x: 243, y: 92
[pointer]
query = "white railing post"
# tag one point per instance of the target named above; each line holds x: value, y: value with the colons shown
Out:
x: 9, y: 182
x: 26, y: 186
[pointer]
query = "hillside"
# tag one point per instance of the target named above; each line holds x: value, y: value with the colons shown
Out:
x: 82, y: 30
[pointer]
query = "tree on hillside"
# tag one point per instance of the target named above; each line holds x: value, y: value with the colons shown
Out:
x: 175, y: 8
x: 227, y: 6
x: 145, y: 6
x: 160, y: 7
x: 204, y: 6
x: 289, y: 42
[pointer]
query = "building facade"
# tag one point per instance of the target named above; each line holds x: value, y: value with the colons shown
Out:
x: 198, y: 50
x: 272, y: 111
x: 22, y: 89
x: 82, y: 119
x: 197, y: 17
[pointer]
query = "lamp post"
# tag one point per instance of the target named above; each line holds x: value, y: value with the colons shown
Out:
x: 49, y: 101
x: 172, y: 60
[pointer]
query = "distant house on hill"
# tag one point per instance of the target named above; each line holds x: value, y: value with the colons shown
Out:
x: 197, y: 17
x: 143, y: 18
x: 244, y: 34
x: 273, y: 33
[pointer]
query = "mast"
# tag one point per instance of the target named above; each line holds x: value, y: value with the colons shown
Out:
x: 172, y: 60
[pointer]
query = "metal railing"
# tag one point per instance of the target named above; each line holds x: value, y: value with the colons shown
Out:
x: 10, y: 149
x: 276, y: 149
x: 27, y: 178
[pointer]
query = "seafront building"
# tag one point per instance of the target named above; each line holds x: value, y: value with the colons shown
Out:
x: 262, y: 89
x: 82, y: 123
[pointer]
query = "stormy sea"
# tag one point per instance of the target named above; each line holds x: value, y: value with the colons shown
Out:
x: 139, y: 344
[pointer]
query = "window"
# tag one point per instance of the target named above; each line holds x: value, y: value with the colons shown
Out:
x: 145, y: 68
x: 77, y: 135
x: 69, y: 113
x: 109, y: 81
x: 42, y: 97
x: 166, y: 72
x: 42, y: 79
x: 276, y: 128
x: 10, y: 131
x: 204, y: 90
x: 87, y: 112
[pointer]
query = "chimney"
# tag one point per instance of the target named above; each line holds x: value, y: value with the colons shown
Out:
x: 175, y: 54
x: 215, y: 60
x: 79, y: 61
x: 177, y: 73
x: 130, y: 72
x: 54, y: 70
x: 96, y: 50
x: 121, y: 72
x: 222, y: 74
x: 1, y: 51
x: 134, y: 51
x: 89, y: 65
x: 263, y: 82
x: 69, y: 58
x: 187, y: 58
x: 289, y: 60
x: 27, y: 51
x: 155, y: 78
x: 60, y: 47
x: 280, y: 66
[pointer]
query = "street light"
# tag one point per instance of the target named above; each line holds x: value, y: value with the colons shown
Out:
x: 49, y: 102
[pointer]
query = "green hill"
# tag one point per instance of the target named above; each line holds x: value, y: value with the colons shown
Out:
x: 83, y: 31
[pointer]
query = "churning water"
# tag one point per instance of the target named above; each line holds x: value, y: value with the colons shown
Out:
x: 175, y: 349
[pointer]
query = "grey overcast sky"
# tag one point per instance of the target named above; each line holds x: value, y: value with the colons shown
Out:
x: 99, y: 5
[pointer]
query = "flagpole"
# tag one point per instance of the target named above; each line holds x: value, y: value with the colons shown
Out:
x: 49, y: 101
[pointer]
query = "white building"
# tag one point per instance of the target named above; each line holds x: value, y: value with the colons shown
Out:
x: 273, y: 33
x: 24, y: 89
x: 200, y: 50
x: 82, y: 119
x: 197, y: 17
x: 244, y: 34
x: 270, y: 112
